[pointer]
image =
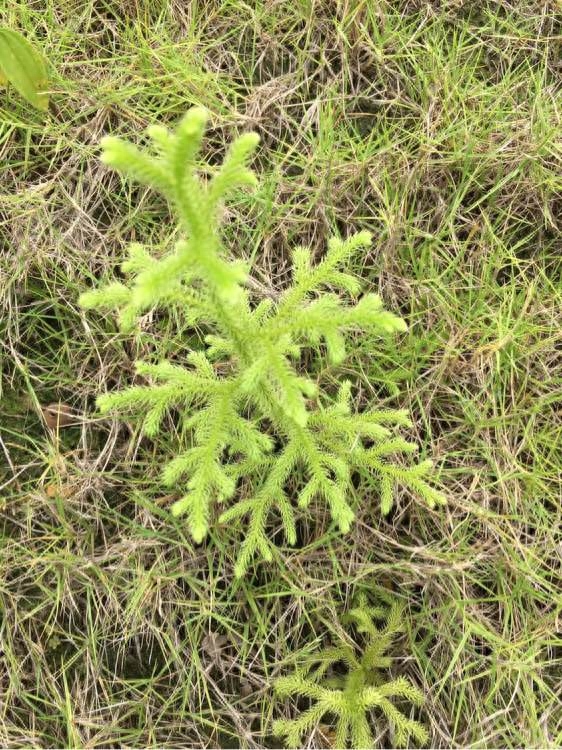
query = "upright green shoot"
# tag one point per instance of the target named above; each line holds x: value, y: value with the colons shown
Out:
x: 247, y: 409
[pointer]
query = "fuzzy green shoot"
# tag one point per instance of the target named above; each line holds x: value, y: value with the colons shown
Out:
x: 264, y: 421
x: 358, y: 693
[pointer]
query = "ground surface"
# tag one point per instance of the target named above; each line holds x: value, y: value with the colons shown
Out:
x: 436, y: 126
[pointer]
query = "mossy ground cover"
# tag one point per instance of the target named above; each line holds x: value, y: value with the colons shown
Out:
x: 435, y: 126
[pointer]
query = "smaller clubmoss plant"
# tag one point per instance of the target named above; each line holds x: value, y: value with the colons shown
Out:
x: 354, y: 698
x: 252, y: 420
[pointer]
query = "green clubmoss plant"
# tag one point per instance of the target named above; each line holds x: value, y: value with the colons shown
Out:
x: 361, y: 695
x: 252, y: 417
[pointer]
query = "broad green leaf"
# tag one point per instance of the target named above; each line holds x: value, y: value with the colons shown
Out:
x: 23, y: 67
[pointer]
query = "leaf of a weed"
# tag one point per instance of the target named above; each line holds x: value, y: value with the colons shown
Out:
x: 23, y: 67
